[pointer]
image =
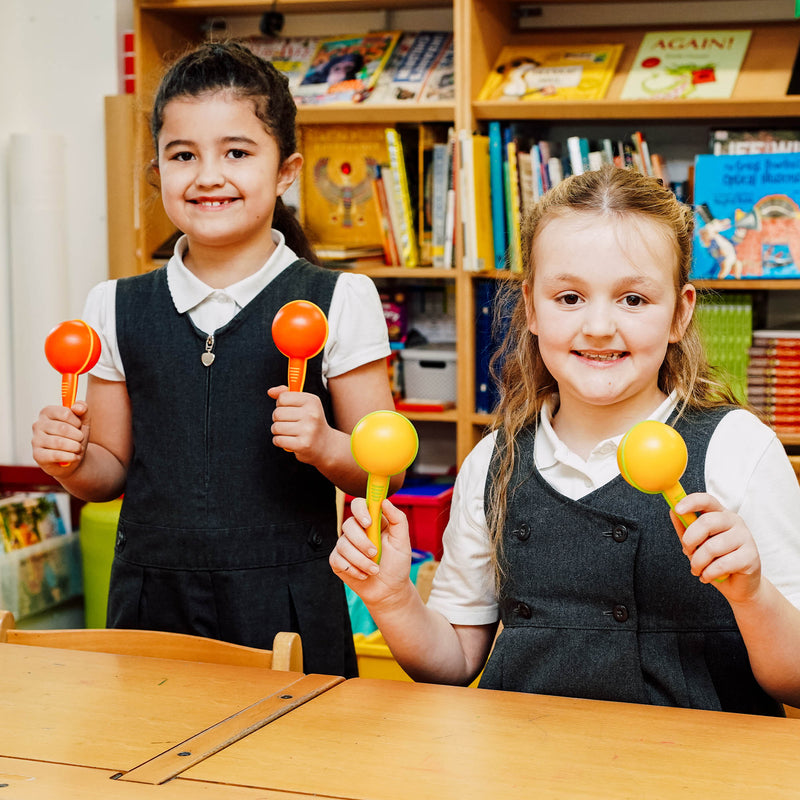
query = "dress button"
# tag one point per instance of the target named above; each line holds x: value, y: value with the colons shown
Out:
x: 315, y: 540
x: 620, y: 533
x: 620, y: 613
x: 523, y: 533
x: 523, y: 610
x: 120, y: 541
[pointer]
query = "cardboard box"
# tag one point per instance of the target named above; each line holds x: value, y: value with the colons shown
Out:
x: 429, y: 372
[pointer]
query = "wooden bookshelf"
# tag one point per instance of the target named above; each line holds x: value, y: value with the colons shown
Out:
x: 481, y: 28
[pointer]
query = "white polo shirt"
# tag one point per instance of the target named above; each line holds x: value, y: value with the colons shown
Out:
x: 357, y: 332
x: 746, y: 470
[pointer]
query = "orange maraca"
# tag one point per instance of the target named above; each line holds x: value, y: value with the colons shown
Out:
x: 383, y: 443
x: 72, y: 348
x: 652, y: 457
x: 299, y: 331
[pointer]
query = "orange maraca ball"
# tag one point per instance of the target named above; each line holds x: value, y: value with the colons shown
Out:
x: 300, y: 329
x: 652, y: 456
x: 72, y: 347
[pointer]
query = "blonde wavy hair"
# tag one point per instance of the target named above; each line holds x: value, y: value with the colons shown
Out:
x: 524, y: 380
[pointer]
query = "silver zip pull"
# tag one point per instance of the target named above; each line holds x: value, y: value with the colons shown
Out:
x: 208, y: 357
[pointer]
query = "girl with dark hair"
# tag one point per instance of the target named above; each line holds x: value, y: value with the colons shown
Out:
x: 229, y: 478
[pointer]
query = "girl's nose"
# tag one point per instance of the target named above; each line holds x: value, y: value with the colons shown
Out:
x: 209, y: 173
x: 598, y: 320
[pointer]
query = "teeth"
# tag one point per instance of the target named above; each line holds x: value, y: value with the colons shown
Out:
x: 213, y: 203
x: 602, y: 356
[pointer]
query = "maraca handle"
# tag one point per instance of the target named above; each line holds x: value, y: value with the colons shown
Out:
x: 69, y: 389
x: 672, y: 496
x: 297, y: 374
x: 377, y: 488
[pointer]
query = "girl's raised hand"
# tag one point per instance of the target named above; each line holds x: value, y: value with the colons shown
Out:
x: 298, y: 424
x: 351, y: 558
x: 59, y: 438
x: 719, y: 543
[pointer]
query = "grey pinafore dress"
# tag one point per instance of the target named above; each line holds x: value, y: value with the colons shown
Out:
x: 599, y: 601
x: 221, y: 533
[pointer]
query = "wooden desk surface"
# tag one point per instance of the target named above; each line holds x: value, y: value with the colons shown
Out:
x: 115, y: 712
x: 391, y: 740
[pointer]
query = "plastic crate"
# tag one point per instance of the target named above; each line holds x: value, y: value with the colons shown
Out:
x: 429, y: 372
x: 428, y: 510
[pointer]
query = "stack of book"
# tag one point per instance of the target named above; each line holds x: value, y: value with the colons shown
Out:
x: 725, y: 322
x: 773, y: 377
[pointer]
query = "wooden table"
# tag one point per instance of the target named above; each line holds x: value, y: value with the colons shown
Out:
x: 73, y: 720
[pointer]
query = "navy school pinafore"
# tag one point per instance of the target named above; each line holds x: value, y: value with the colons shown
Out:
x: 599, y: 601
x: 221, y: 533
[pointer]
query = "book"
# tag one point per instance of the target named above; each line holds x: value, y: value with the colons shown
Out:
x: 337, y: 207
x: 694, y: 64
x: 749, y: 141
x: 513, y: 203
x: 346, y: 68
x: 747, y: 216
x: 451, y: 201
x: 402, y: 194
x: 429, y: 136
x: 552, y: 73
x: 578, y: 149
x: 292, y: 55
x: 499, y: 234
x: 391, y: 256
x: 440, y: 85
x: 481, y: 177
x: 440, y: 184
x: 412, y: 61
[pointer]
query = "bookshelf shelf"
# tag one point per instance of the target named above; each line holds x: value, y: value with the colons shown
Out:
x: 481, y: 29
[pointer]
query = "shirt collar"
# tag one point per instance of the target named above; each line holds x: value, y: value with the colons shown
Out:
x: 188, y: 291
x: 549, y: 450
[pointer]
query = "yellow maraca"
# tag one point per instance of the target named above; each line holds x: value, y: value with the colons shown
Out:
x: 383, y: 443
x: 652, y: 457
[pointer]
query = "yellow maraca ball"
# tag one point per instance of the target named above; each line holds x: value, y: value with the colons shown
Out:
x: 652, y: 456
x: 383, y: 444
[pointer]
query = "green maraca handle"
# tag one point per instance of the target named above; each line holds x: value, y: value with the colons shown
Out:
x: 377, y: 489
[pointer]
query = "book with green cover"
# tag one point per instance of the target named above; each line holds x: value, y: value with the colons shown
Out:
x: 678, y: 65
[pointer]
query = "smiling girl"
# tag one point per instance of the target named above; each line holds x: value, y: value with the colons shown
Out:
x: 229, y: 512
x: 601, y: 591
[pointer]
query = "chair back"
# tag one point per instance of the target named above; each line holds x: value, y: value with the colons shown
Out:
x: 286, y: 653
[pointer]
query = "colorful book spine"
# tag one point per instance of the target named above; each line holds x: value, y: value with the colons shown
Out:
x: 514, y: 206
x: 390, y: 253
x: 481, y: 181
x: 408, y: 238
x: 441, y: 181
x: 499, y: 235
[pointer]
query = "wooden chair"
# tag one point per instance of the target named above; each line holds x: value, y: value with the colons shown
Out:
x: 286, y: 653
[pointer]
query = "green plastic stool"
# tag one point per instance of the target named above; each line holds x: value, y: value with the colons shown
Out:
x: 98, y: 532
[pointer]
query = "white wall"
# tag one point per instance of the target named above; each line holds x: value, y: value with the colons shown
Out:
x: 58, y: 60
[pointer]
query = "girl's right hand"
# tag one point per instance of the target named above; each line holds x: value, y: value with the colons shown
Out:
x: 351, y: 558
x: 59, y: 438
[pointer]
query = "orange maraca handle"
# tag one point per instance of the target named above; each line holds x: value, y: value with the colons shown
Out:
x: 69, y: 389
x: 297, y: 374
x: 377, y: 488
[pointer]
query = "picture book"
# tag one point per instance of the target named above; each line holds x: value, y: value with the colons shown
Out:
x: 542, y: 73
x: 29, y: 518
x: 292, y: 55
x: 440, y: 85
x: 747, y: 216
x: 411, y: 62
x: 337, y: 207
x: 677, y: 65
x: 346, y: 68
x: 748, y: 141
x: 405, y: 186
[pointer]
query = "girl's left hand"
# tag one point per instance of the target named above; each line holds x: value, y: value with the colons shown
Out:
x: 717, y: 544
x: 299, y: 424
